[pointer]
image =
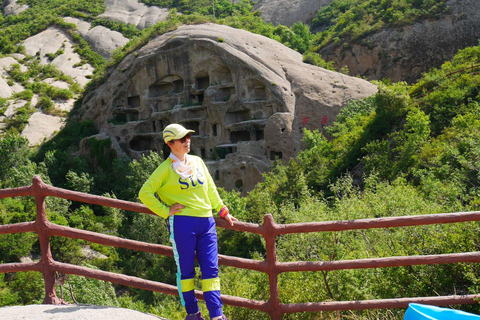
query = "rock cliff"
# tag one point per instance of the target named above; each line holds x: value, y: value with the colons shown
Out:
x: 247, y: 97
x: 403, y: 54
x: 287, y: 12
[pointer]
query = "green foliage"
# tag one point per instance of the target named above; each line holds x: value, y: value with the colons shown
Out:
x: 24, y: 95
x: 15, y: 246
x: 451, y: 90
x: 45, y: 104
x: 400, y: 149
x: 52, y: 56
x: 100, y: 152
x: 24, y: 288
x: 4, y: 103
x: 316, y: 60
x: 14, y: 157
x: 233, y: 243
x: 128, y: 31
x: 447, y: 164
x: 18, y: 122
x: 219, y: 9
x: 38, y: 72
x: 137, y: 172
x: 89, y: 291
x: 67, y: 139
x: 297, y: 37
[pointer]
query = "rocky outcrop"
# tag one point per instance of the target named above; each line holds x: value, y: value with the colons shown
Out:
x: 133, y: 12
x: 102, y: 40
x: 11, y: 7
x: 51, y: 41
x: 403, y: 54
x: 247, y: 97
x: 287, y: 12
x: 54, y: 40
x: 40, y: 127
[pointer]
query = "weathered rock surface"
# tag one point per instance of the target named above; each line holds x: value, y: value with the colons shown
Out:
x: 134, y: 13
x: 72, y: 312
x: 247, y: 97
x: 51, y: 41
x: 6, y: 90
x: 287, y: 12
x: 403, y: 54
x: 102, y: 40
x: 41, y: 126
x: 11, y: 7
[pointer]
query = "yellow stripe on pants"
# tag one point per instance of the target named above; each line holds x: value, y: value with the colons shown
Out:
x: 187, y: 285
x: 212, y: 284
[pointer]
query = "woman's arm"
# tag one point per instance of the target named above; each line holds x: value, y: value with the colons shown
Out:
x: 147, y: 194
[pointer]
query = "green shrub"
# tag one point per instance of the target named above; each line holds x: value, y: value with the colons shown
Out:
x: 316, y: 60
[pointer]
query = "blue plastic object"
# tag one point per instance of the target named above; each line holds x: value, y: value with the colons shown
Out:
x: 418, y: 311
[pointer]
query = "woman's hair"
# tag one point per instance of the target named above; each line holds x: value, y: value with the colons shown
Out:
x: 166, y: 150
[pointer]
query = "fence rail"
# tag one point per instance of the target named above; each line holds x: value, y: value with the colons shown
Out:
x: 269, y: 230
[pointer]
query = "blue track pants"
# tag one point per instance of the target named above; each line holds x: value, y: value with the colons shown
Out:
x: 190, y: 235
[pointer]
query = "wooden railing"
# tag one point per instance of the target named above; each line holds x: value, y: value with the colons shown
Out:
x: 269, y: 230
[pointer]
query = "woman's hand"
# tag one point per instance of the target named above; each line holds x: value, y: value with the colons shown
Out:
x: 225, y: 214
x: 230, y: 219
x: 175, y: 208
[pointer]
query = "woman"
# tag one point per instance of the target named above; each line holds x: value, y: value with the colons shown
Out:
x: 189, y: 194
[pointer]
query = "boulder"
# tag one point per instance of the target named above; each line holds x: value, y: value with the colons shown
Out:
x: 134, y: 12
x: 247, y: 97
x: 102, y: 40
x: 105, y: 41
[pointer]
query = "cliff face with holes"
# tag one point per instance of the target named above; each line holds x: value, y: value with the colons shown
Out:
x: 247, y: 97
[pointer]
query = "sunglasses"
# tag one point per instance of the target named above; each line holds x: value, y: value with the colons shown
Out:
x: 184, y: 139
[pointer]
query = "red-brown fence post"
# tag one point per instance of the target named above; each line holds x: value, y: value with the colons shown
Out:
x: 270, y: 234
x: 42, y: 229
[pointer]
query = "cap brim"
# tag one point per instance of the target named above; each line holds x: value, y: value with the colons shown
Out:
x: 179, y: 135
